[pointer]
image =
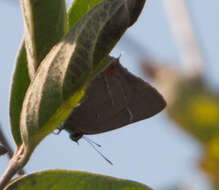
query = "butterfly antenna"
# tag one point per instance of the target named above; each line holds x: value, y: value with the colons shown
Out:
x: 100, y: 153
x: 91, y: 141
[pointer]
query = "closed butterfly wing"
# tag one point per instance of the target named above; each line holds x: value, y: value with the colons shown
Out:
x: 114, y: 99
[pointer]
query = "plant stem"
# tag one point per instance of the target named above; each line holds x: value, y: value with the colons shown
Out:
x: 17, y: 162
x: 6, y: 144
x: 181, y: 27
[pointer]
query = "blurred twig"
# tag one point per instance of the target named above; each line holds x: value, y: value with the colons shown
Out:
x: 6, y: 144
x: 181, y: 27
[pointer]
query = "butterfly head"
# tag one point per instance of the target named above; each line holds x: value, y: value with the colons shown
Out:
x: 75, y: 136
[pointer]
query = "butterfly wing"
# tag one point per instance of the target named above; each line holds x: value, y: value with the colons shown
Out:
x: 114, y: 99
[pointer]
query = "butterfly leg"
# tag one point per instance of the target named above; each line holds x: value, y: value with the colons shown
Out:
x: 58, y: 130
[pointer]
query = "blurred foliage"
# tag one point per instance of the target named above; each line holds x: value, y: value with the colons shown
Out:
x: 194, y: 107
x: 210, y: 162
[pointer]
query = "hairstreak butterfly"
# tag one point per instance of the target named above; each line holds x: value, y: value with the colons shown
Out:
x: 115, y: 98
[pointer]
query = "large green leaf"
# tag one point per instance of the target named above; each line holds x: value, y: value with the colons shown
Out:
x: 72, y: 180
x: 58, y: 85
x: 20, y: 83
x: 45, y: 24
x: 21, y: 79
x: 113, y: 31
x: 78, y: 9
x: 115, y: 28
x: 48, y: 27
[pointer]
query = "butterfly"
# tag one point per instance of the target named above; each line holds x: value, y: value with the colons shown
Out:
x: 115, y: 98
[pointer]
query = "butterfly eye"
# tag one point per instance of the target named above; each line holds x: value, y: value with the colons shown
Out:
x: 75, y: 136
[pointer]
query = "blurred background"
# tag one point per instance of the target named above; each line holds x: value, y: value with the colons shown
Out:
x: 176, y: 149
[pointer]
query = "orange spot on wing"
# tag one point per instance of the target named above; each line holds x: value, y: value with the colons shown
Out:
x: 110, y: 71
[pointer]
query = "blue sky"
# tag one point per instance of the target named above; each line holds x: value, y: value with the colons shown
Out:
x: 154, y: 152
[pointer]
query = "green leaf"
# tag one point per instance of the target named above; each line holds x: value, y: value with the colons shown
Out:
x: 73, y: 180
x: 20, y: 83
x: 115, y: 28
x: 113, y: 31
x: 21, y: 79
x: 47, y: 27
x: 78, y: 9
x: 45, y: 24
x: 59, y: 84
